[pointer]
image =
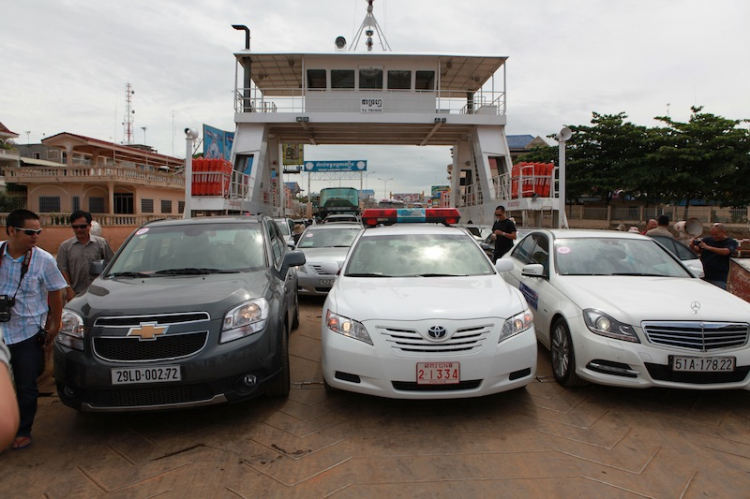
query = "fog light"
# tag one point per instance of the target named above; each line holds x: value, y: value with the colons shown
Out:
x: 69, y: 392
x: 249, y: 380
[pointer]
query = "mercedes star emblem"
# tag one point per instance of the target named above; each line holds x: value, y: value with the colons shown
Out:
x: 695, y: 306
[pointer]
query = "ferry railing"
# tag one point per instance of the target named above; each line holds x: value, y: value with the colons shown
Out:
x: 292, y: 100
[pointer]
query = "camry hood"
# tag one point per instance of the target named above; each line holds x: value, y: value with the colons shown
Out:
x: 418, y: 298
x: 635, y: 299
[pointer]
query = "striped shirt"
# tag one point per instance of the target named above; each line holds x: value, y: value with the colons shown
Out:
x: 29, y: 314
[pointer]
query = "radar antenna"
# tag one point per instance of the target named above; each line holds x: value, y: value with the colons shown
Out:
x: 370, y: 26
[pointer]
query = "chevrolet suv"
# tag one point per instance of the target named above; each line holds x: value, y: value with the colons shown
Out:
x: 189, y: 312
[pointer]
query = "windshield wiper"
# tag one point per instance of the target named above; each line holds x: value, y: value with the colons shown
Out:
x: 437, y: 275
x: 128, y: 274
x: 194, y: 271
x: 367, y: 275
x: 638, y: 274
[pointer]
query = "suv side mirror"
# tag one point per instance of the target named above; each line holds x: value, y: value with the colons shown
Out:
x: 293, y: 258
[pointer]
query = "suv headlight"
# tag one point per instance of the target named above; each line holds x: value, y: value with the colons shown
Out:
x: 604, y: 325
x: 347, y: 327
x: 516, y: 324
x: 71, y: 332
x: 244, y: 320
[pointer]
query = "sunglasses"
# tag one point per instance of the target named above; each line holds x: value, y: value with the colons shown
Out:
x: 82, y: 226
x: 29, y: 232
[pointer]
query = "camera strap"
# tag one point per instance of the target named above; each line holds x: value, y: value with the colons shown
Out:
x: 24, y: 265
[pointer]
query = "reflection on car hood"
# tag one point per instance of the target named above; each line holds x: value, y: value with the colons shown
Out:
x: 317, y: 255
x: 124, y: 296
x: 417, y: 298
x: 635, y: 299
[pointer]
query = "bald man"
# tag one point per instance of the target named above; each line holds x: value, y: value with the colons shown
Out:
x: 715, y: 252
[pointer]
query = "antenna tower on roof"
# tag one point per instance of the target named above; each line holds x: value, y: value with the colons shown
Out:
x: 369, y: 27
x: 127, y: 123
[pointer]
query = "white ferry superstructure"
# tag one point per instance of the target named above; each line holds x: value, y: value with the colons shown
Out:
x: 385, y: 99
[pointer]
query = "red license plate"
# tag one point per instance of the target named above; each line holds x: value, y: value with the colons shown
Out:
x: 438, y: 373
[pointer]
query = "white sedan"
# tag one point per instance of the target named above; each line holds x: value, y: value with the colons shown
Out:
x: 618, y: 309
x: 419, y: 312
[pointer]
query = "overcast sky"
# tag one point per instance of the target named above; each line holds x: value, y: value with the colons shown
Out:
x: 65, y: 64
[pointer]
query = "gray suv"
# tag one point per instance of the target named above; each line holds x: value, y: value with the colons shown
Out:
x: 189, y: 312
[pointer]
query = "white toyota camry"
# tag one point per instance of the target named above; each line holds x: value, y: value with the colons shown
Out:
x: 618, y: 309
x: 418, y: 311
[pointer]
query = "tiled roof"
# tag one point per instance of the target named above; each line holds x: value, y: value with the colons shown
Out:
x: 519, y: 141
x: 4, y: 129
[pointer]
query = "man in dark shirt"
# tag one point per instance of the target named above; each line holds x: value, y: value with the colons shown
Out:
x: 715, y: 252
x: 504, y: 231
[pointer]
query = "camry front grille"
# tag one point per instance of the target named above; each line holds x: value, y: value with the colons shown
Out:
x: 697, y: 335
x: 464, y: 340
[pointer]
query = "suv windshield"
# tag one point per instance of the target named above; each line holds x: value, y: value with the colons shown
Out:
x: 408, y: 255
x: 185, y: 249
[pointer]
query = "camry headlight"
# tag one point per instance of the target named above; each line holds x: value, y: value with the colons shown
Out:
x: 71, y: 332
x: 516, y: 324
x: 347, y: 327
x: 604, y: 325
x: 244, y: 320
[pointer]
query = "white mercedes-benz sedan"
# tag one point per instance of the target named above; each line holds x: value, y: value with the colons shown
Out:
x: 617, y: 308
x: 419, y: 312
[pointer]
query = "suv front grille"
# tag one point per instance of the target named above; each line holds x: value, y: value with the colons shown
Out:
x: 697, y: 335
x: 465, y: 340
x: 128, y: 348
x: 159, y: 319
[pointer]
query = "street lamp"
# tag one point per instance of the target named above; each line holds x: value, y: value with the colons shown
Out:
x: 562, y: 137
x: 385, y: 187
x: 242, y: 27
x: 190, y: 135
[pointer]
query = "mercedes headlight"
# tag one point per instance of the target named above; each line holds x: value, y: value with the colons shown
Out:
x: 516, y: 324
x: 244, y: 320
x: 604, y: 325
x: 72, y: 331
x: 347, y: 327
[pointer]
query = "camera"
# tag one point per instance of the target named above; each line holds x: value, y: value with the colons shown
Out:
x: 6, y: 303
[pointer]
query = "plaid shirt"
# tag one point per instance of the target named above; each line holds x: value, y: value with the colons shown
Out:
x: 30, y: 311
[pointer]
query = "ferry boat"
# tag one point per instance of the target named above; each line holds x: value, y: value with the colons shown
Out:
x: 346, y: 97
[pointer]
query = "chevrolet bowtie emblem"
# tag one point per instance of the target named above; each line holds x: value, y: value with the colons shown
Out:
x: 147, y: 331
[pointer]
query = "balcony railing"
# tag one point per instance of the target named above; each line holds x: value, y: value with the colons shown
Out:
x: 93, y: 173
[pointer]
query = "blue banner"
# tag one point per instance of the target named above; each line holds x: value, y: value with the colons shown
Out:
x: 217, y: 143
x: 336, y: 166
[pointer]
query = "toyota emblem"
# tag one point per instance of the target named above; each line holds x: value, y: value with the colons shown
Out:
x: 695, y: 306
x: 437, y: 332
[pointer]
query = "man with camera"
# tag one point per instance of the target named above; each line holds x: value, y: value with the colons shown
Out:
x: 30, y: 310
x: 715, y: 252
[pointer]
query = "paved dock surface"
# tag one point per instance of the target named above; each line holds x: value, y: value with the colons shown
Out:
x: 542, y: 441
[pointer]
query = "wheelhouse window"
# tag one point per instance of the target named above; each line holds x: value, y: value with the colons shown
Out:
x: 371, y: 78
x: 399, y: 79
x: 425, y: 80
x: 342, y: 78
x: 316, y: 78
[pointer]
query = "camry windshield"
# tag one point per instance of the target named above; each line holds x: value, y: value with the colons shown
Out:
x: 339, y: 237
x: 612, y: 256
x: 417, y: 255
x: 191, y: 249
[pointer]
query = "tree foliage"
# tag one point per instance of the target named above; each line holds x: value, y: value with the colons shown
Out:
x: 706, y: 158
